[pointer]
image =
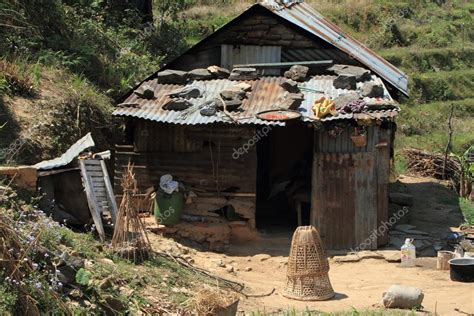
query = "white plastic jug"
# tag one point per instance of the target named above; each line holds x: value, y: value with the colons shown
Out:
x: 408, y: 252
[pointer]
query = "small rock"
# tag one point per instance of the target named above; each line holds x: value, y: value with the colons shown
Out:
x: 390, y: 255
x: 297, y: 73
x: 219, y: 263
x: 346, y: 98
x: 248, y: 269
x: 229, y: 268
x: 200, y: 74
x: 369, y: 255
x: 360, y: 73
x: 401, y: 199
x: 219, y: 72
x: 231, y: 94
x: 114, y: 304
x: 188, y: 92
x: 107, y: 261
x: 243, y: 74
x: 404, y: 297
x: 177, y: 105
x: 106, y: 283
x: 172, y: 77
x: 145, y: 92
x: 209, y: 108
x: 372, y: 90
x: 292, y: 101
x: 290, y: 86
x: 347, y: 258
x: 88, y: 264
x: 231, y: 105
x: 345, y: 82
x: 262, y: 257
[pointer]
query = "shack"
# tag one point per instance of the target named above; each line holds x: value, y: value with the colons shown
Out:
x: 277, y: 119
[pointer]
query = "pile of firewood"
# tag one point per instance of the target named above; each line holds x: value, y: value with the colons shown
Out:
x: 433, y: 165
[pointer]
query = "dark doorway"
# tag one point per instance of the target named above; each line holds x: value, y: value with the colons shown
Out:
x: 285, y: 159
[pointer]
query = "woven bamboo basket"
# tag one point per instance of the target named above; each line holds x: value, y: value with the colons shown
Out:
x: 307, y: 277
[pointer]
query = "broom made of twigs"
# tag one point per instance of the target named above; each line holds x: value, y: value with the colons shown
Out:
x: 130, y: 239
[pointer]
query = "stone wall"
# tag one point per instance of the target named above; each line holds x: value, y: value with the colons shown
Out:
x: 263, y: 29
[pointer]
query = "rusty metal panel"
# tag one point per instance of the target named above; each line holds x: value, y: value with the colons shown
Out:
x: 267, y: 94
x: 383, y: 179
x: 304, y: 16
x: 327, y: 142
x: 344, y: 199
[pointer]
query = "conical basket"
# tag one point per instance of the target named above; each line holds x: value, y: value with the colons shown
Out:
x: 307, y: 277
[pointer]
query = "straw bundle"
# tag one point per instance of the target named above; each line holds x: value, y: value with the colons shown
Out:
x: 307, y: 276
x: 130, y: 239
x: 210, y: 301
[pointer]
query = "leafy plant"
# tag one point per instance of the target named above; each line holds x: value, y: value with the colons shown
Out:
x: 83, y: 277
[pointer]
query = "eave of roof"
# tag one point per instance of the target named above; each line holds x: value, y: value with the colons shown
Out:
x: 266, y: 94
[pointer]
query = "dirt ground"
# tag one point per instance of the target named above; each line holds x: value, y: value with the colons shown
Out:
x: 359, y: 283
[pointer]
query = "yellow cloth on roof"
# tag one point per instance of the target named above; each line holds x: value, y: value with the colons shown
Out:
x: 324, y: 107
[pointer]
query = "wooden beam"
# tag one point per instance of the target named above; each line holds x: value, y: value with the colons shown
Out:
x: 316, y: 63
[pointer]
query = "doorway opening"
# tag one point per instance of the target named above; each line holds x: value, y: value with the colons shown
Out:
x: 284, y: 172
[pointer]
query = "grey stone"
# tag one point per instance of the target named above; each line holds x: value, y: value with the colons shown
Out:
x: 177, y: 105
x: 290, y: 86
x: 360, y: 73
x: 219, y: 72
x: 297, y: 73
x: 292, y: 101
x: 145, y: 92
x: 372, y: 90
x: 172, y: 77
x: 114, y: 305
x: 187, y: 92
x: 230, y: 94
x: 344, y: 99
x: 66, y: 274
x: 209, y: 108
x: 401, y: 199
x: 401, y: 296
x: 243, y: 74
x: 200, y: 74
x: 231, y: 105
x: 345, y: 82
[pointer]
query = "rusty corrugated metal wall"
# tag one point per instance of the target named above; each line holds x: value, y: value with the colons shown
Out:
x: 350, y: 188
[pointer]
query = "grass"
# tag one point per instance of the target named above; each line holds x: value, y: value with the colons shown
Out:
x: 467, y: 208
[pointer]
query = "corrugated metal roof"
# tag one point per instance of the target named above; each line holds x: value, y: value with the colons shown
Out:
x: 307, y: 18
x: 66, y: 158
x: 266, y: 94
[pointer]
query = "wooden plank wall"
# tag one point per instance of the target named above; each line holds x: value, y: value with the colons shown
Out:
x: 199, y: 156
x: 350, y: 188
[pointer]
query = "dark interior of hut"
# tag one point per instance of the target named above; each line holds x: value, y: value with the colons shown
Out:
x: 284, y: 177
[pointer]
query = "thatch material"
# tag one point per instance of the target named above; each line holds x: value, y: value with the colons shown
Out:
x: 130, y: 239
x: 212, y: 301
x: 427, y: 164
x: 307, y: 276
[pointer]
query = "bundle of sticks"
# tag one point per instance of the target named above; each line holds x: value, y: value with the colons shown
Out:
x: 433, y: 165
x: 130, y: 239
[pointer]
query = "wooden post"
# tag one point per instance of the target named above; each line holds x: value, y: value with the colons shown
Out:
x: 448, y: 145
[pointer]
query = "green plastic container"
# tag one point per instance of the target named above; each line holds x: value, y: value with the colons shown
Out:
x: 168, y: 208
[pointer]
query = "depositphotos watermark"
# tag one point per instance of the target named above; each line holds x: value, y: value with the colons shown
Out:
x: 165, y: 215
x: 244, y: 149
x: 381, y: 230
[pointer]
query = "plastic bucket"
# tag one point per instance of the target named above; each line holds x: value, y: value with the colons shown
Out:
x: 168, y: 208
